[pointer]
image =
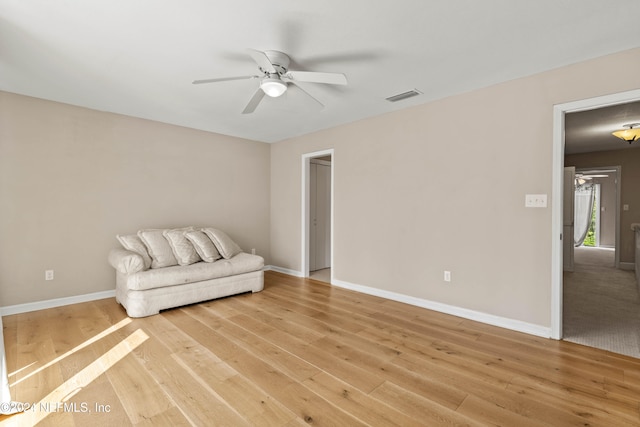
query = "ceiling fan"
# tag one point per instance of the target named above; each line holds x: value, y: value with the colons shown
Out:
x: 583, y: 178
x: 587, y: 175
x: 275, y: 77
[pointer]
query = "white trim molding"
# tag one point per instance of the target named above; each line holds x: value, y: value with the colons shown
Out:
x: 502, y: 322
x: 631, y: 266
x: 57, y: 302
x: 283, y: 270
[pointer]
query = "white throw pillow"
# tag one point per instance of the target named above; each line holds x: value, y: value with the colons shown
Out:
x: 158, y: 247
x: 203, y: 245
x: 133, y: 243
x: 227, y: 247
x: 182, y: 248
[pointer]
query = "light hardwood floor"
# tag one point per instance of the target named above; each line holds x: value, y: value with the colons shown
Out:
x: 304, y: 353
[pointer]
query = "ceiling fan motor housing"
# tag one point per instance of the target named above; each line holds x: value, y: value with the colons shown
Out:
x: 279, y: 60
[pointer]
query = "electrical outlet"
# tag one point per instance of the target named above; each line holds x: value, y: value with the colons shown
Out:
x: 48, y: 275
x: 447, y: 276
x: 253, y: 251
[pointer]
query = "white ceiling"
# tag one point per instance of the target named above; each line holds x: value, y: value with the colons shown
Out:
x: 139, y: 57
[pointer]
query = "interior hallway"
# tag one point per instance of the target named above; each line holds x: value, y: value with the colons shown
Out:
x: 601, y: 303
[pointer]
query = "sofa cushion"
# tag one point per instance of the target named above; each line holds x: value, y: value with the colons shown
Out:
x: 203, y: 245
x: 182, y: 248
x: 133, y: 243
x: 182, y: 274
x: 158, y: 247
x: 227, y: 247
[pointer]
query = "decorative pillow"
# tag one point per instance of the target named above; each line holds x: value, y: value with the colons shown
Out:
x: 133, y: 243
x: 227, y: 247
x: 158, y: 247
x: 182, y: 248
x: 203, y: 245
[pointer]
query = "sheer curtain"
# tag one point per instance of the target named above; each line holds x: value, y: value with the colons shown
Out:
x: 582, y: 212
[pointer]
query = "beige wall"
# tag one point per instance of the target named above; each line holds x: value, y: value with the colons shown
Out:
x: 629, y: 160
x: 73, y: 178
x: 441, y: 187
x: 413, y: 194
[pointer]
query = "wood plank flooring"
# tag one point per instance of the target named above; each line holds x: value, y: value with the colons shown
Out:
x: 304, y: 353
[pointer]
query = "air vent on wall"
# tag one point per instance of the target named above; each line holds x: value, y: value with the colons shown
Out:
x: 404, y: 95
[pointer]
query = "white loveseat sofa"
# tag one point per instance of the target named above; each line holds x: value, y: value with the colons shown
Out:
x: 157, y: 269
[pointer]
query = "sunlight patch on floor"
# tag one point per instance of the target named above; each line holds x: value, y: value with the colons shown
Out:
x: 87, y: 343
x: 55, y: 401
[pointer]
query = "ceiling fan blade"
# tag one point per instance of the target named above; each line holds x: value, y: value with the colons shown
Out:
x: 223, y: 79
x: 253, y: 103
x: 307, y: 93
x: 262, y: 60
x: 315, y: 77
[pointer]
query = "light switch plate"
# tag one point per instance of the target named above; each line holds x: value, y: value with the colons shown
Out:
x: 535, y: 201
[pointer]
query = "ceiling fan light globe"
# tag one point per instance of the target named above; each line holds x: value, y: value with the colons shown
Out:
x: 273, y: 87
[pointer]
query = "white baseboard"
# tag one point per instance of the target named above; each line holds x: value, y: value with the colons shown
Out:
x: 282, y: 270
x: 503, y: 322
x: 627, y: 266
x: 58, y: 302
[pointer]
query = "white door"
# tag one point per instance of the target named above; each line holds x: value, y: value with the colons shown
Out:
x: 320, y: 211
x: 568, y: 194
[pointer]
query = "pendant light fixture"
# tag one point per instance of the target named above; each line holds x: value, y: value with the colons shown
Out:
x: 632, y: 133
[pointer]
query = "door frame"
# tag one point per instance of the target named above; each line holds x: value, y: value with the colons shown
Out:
x: 306, y: 190
x: 559, y: 111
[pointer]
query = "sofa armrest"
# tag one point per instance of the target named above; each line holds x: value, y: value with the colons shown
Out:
x: 126, y: 262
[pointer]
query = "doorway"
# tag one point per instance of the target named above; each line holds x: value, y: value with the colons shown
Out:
x: 603, y: 225
x: 558, y: 173
x: 320, y: 218
x: 317, y: 215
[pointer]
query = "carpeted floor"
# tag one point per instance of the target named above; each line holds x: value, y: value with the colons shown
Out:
x: 601, y: 304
